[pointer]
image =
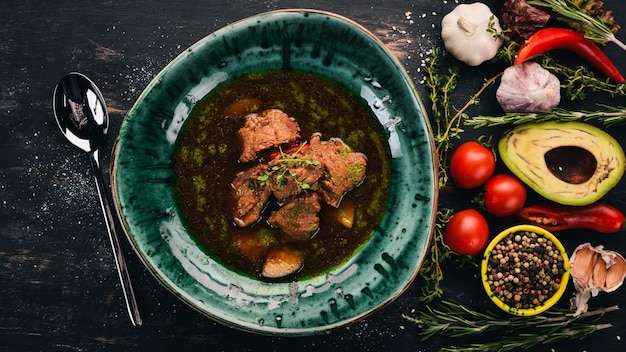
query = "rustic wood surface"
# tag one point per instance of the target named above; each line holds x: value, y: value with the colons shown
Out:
x: 58, y: 287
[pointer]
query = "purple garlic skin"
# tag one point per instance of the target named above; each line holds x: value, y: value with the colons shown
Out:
x: 528, y: 87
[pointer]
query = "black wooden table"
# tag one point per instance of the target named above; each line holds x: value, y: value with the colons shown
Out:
x: 58, y: 287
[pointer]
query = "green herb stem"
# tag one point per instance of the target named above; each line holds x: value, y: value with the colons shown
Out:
x: 580, y: 79
x: 454, y: 121
x: 447, y: 121
x: 517, y: 333
x: 440, y: 92
x: 608, y: 117
x: 447, y: 118
x: 431, y: 271
x: 591, y: 26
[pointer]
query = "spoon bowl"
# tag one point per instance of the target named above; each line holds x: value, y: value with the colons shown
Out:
x: 81, y: 114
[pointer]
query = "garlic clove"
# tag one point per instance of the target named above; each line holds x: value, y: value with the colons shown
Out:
x: 615, y: 274
x: 582, y: 263
x: 598, y: 274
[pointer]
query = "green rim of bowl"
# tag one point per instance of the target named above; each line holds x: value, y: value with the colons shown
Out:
x: 142, y: 175
x: 549, y: 302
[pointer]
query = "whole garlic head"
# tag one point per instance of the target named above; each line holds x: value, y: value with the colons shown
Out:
x: 528, y: 87
x: 468, y: 33
x: 594, y: 269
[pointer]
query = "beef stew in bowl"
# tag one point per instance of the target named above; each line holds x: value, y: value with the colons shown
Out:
x: 287, y: 182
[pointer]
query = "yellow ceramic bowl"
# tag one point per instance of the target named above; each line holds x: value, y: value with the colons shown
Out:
x: 545, y: 304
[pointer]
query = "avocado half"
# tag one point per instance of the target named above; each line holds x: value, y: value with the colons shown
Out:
x: 571, y: 163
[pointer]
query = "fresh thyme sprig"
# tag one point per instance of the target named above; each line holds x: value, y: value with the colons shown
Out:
x: 517, y: 333
x: 440, y: 88
x: 580, y: 79
x: 455, y: 120
x: 591, y: 26
x: 282, y: 169
x: 610, y: 116
x: 431, y: 271
x: 447, y: 119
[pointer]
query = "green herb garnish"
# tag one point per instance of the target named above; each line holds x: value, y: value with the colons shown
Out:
x: 282, y: 170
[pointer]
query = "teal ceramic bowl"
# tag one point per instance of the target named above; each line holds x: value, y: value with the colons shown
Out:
x: 143, y: 178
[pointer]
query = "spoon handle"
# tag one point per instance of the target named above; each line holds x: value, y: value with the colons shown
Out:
x: 120, y: 263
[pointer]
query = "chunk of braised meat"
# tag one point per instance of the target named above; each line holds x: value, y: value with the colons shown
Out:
x: 293, y: 174
x: 297, y: 218
x: 344, y: 169
x: 265, y: 130
x: 250, y: 196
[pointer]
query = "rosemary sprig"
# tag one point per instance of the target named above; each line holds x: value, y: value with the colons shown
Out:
x: 608, y: 117
x: 591, y: 26
x: 517, y: 333
x: 525, y: 341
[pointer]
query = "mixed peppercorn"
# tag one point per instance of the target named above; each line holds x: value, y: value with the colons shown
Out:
x: 524, y: 270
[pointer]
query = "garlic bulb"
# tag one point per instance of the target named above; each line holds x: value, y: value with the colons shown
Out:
x: 594, y: 269
x: 469, y: 33
x: 528, y: 87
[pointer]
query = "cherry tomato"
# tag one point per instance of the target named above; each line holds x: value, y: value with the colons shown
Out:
x: 504, y: 195
x: 467, y: 232
x: 471, y: 165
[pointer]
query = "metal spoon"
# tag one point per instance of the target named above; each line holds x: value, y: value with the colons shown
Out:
x: 82, y: 116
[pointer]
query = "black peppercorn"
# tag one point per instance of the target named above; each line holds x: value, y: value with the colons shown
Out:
x: 524, y: 270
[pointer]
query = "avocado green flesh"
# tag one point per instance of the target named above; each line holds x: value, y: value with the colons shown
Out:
x: 530, y: 152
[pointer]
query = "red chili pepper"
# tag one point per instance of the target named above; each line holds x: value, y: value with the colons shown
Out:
x: 547, y: 39
x: 598, y: 217
x: 300, y: 149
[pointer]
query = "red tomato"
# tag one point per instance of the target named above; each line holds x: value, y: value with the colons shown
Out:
x: 504, y: 195
x: 467, y: 232
x: 471, y: 165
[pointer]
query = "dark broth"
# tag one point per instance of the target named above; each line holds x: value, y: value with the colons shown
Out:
x: 206, y: 161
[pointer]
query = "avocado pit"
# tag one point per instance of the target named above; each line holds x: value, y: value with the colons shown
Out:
x: 571, y: 164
